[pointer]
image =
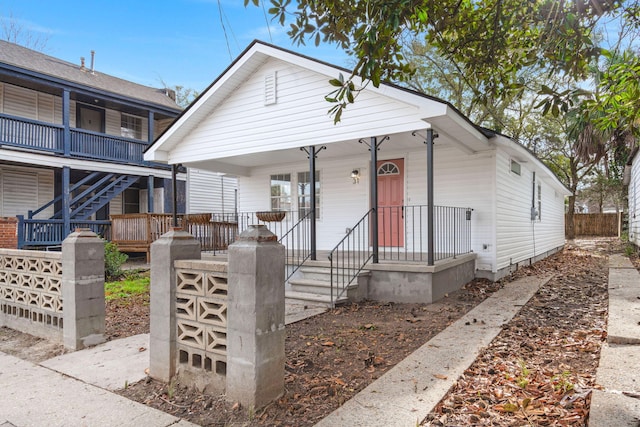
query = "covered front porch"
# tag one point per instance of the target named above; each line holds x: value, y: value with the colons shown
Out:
x: 401, y: 178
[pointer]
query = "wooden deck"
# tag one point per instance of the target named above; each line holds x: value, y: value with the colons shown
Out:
x: 136, y: 232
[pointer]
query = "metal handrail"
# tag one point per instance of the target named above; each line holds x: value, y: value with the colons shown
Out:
x: 348, y: 258
x: 297, y: 236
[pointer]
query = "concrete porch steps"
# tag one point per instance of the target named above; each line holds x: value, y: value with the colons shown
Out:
x: 313, y: 285
x: 315, y: 299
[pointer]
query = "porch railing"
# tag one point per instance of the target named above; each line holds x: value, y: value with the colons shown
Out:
x: 348, y: 258
x: 49, y: 137
x: 136, y: 232
x: 402, y: 232
x: 50, y: 232
x: 402, y: 236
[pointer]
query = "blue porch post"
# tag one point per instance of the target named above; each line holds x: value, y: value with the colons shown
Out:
x: 430, y: 236
x: 66, y: 201
x: 150, y: 194
x: 66, y: 134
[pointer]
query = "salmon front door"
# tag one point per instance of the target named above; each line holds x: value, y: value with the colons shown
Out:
x: 391, y: 202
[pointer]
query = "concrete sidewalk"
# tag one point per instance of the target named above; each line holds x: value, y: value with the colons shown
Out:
x: 75, y: 389
x: 618, y: 372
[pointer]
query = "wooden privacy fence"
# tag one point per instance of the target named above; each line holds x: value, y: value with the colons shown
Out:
x: 136, y: 232
x: 601, y: 225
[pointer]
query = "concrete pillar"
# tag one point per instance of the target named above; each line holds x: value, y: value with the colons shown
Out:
x: 83, y: 290
x: 255, y: 318
x: 171, y: 246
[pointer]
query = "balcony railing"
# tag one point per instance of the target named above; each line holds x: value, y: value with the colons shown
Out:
x: 41, y: 136
x: 19, y: 132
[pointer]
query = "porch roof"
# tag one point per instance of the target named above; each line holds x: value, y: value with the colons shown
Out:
x: 402, y: 114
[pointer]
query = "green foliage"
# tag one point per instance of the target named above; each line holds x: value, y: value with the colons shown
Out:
x: 561, y: 382
x: 629, y: 250
x: 522, y: 380
x: 113, y: 261
x: 491, y: 41
x: 128, y: 287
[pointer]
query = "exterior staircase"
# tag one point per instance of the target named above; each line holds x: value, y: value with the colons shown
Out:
x: 100, y: 189
x: 312, y: 286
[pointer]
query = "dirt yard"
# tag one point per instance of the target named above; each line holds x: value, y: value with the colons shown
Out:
x: 538, y: 371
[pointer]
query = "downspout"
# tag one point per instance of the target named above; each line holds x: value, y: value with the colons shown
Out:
x: 534, y: 214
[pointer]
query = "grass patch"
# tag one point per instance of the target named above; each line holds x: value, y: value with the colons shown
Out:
x: 130, y: 286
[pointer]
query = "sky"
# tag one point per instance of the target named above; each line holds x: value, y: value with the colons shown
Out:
x: 154, y: 43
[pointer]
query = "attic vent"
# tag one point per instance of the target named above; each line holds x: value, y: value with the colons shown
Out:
x: 270, y: 85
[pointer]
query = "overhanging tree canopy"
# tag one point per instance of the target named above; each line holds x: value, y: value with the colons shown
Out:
x: 493, y: 39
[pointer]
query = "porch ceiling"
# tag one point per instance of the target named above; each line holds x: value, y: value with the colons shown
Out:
x: 242, y: 165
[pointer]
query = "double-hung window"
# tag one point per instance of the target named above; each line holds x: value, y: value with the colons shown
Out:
x: 281, y: 192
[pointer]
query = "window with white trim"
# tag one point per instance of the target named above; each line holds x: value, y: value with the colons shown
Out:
x: 281, y: 192
x: 130, y: 126
x: 304, y: 193
x: 516, y: 167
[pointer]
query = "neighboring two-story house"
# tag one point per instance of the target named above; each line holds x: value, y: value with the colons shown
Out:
x: 71, y: 147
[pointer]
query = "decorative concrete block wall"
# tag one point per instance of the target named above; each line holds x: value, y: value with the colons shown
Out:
x: 31, y: 292
x: 56, y: 295
x: 201, y: 322
x: 220, y: 327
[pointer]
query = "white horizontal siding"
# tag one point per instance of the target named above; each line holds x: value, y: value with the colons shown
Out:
x: 25, y: 189
x: 210, y: 192
x: 460, y: 180
x: 518, y: 237
x: 243, y: 124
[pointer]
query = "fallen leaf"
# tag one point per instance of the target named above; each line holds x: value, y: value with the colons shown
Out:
x: 440, y: 376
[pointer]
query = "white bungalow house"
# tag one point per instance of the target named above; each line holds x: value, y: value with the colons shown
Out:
x: 632, y: 180
x: 450, y: 200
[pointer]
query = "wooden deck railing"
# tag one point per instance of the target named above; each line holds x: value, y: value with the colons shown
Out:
x: 136, y: 232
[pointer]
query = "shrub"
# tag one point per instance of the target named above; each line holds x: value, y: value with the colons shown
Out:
x: 113, y: 260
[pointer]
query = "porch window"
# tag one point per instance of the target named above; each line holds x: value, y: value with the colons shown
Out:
x: 130, y: 126
x: 304, y: 193
x: 281, y: 192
